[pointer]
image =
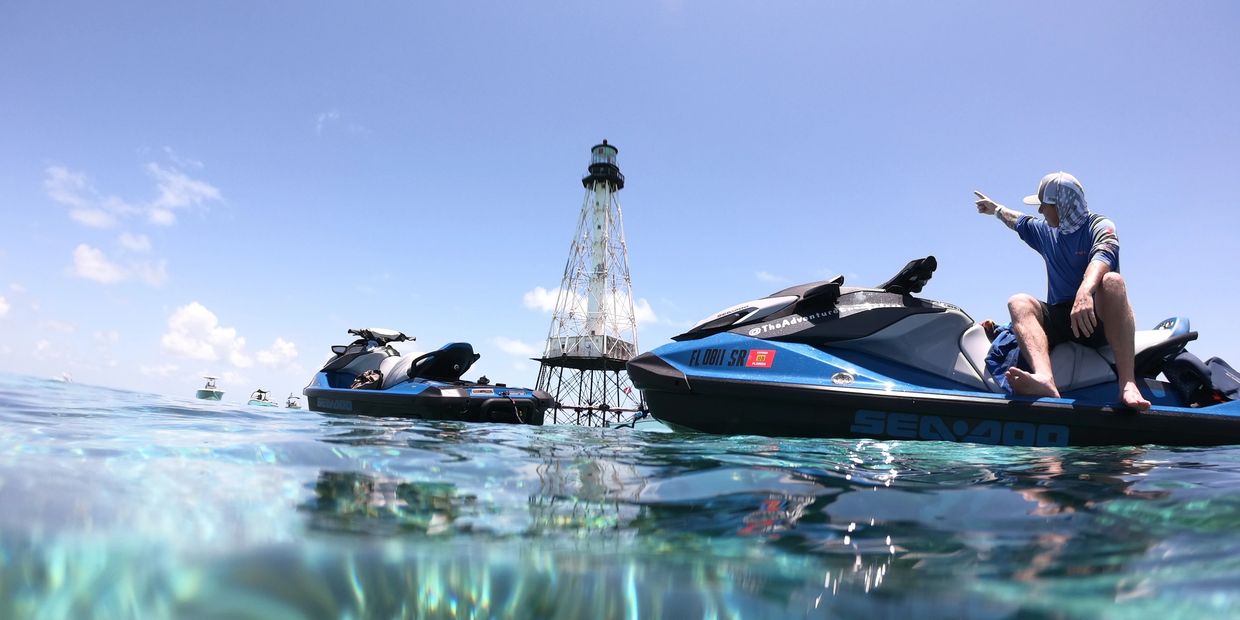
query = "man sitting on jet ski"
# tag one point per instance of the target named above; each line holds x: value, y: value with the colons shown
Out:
x: 1087, y: 300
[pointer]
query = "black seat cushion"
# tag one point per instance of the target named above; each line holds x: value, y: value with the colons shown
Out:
x: 447, y: 364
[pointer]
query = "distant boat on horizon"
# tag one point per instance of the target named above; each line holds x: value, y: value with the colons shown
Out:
x: 209, y: 391
x: 259, y: 398
x: 292, y: 402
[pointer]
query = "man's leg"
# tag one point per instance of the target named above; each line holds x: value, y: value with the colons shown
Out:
x: 1111, y: 303
x: 1027, y: 323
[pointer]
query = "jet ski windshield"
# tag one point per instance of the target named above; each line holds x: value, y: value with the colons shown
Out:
x: 913, y: 277
x: 380, y: 336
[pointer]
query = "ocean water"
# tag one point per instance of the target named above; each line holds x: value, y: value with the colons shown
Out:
x: 123, y: 505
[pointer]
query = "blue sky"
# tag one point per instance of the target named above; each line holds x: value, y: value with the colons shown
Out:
x: 226, y: 187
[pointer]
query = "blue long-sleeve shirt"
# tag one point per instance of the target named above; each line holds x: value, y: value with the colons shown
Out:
x: 1067, y: 256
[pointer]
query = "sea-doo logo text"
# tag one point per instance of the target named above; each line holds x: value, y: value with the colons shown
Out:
x: 934, y: 428
x: 335, y: 403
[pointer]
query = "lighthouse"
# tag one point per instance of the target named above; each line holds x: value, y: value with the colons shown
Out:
x: 594, y: 327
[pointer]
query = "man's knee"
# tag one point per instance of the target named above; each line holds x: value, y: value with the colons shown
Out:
x: 1023, y: 305
x: 1113, y: 284
x: 1112, y: 294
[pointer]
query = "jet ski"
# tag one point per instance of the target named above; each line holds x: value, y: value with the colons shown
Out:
x: 826, y: 360
x: 370, y: 377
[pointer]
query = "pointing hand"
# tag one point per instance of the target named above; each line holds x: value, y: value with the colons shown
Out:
x: 985, y: 205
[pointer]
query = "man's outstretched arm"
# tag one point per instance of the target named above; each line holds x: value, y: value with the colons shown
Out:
x: 986, y: 206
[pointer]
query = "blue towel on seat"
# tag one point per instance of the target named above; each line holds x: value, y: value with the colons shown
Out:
x: 1004, y: 353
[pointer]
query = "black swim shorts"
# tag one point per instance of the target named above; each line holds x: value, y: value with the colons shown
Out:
x: 1057, y: 320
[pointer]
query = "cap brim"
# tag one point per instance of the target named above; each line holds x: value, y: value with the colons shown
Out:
x: 1032, y: 200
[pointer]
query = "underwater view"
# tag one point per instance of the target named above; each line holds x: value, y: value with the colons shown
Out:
x: 119, y: 504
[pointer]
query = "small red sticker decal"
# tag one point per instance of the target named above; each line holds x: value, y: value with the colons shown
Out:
x: 760, y: 358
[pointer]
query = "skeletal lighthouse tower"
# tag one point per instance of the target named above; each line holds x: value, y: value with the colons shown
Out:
x: 594, y: 329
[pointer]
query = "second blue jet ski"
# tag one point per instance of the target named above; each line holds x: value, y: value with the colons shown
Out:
x: 370, y: 377
x: 825, y: 360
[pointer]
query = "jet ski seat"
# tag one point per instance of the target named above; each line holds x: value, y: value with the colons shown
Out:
x: 447, y: 364
x: 1077, y: 366
x: 395, y: 370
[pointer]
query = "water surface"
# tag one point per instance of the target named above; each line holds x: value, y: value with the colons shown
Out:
x: 117, y: 504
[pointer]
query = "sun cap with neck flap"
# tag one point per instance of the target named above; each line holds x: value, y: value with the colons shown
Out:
x: 1065, y: 192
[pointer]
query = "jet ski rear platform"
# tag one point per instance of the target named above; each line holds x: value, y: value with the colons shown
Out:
x: 824, y: 360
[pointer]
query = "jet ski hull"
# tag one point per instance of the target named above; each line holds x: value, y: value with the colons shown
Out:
x: 431, y: 401
x: 719, y: 404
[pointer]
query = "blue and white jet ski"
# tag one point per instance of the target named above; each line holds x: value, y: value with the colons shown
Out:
x: 826, y: 360
x: 370, y: 377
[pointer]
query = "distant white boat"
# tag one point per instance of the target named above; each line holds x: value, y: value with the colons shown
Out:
x: 293, y: 402
x: 260, y: 398
x: 209, y: 391
x: 64, y: 378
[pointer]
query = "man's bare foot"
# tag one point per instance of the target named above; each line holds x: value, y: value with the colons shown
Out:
x: 1131, y: 397
x: 1029, y: 384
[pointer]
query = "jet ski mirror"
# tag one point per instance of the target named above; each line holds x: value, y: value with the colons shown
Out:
x: 339, y: 349
x: 912, y: 278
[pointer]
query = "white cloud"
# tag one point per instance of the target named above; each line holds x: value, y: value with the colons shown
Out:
x: 323, y: 118
x: 109, y: 337
x: 88, y: 207
x: 541, y: 299
x: 512, y: 346
x: 281, y: 353
x: 544, y: 300
x: 333, y: 118
x: 135, y: 243
x: 67, y: 187
x: 43, y: 350
x: 4, y: 307
x: 17, y: 288
x: 95, y: 218
x: 152, y: 273
x: 226, y: 380
x: 163, y: 370
x: 91, y: 264
x: 195, y: 332
x: 181, y: 161
x: 176, y: 190
x: 765, y: 276
x: 58, y: 326
x: 644, y: 313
